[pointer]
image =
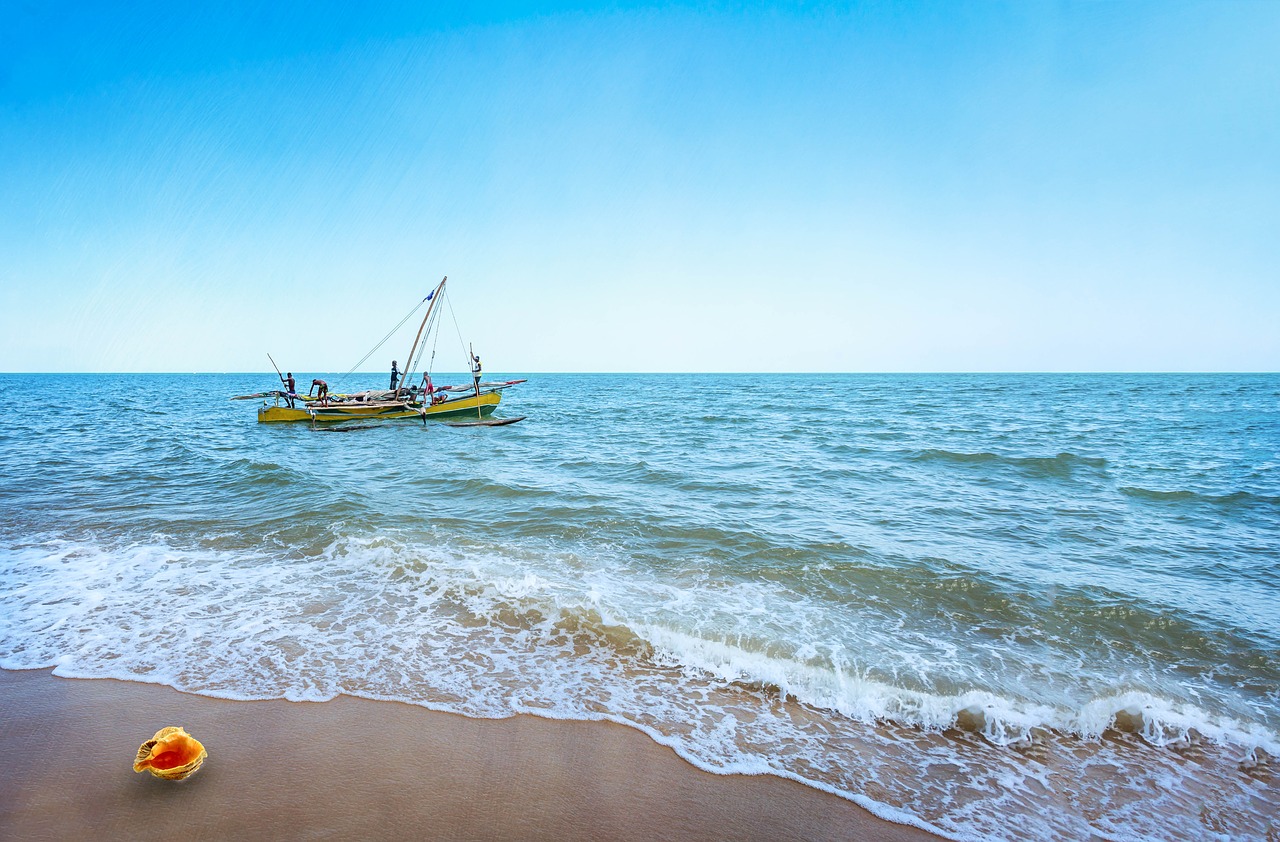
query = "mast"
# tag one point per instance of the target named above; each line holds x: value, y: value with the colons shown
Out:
x: 408, y: 361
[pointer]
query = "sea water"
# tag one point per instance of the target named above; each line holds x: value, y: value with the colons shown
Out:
x: 998, y: 606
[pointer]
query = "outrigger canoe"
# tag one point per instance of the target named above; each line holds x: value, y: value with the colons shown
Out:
x: 474, y: 401
x: 344, y: 408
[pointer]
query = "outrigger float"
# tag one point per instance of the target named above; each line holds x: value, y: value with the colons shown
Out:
x: 473, y: 402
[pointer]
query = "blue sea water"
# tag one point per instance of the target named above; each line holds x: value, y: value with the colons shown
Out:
x: 999, y: 606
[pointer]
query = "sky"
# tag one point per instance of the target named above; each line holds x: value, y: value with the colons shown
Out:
x: 727, y: 187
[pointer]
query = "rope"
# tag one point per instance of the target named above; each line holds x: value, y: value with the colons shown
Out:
x: 461, y: 344
x: 383, y: 341
x: 435, y: 343
x: 413, y: 364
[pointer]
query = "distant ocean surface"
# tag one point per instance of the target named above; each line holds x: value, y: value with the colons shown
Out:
x: 1004, y: 606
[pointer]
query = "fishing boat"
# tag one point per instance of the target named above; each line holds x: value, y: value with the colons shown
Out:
x: 469, y: 403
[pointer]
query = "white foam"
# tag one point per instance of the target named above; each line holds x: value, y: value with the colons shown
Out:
x: 705, y: 666
x: 1002, y: 721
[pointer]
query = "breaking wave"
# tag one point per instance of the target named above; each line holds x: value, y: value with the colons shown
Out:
x: 506, y: 633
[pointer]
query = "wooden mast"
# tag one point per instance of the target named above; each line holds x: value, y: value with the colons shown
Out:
x: 408, y: 361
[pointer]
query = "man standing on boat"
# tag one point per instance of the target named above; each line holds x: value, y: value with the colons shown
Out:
x: 431, y: 396
x: 323, y: 395
x: 395, y: 376
x: 290, y: 390
x: 475, y: 371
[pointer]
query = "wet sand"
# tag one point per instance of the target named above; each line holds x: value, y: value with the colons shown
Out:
x: 357, y: 769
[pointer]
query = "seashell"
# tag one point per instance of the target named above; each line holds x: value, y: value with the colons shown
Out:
x: 172, y: 754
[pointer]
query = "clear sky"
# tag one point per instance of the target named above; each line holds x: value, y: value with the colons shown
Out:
x: 643, y: 187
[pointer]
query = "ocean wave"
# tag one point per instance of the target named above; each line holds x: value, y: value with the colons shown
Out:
x: 499, y: 606
x: 480, y: 630
x: 1235, y: 498
x: 255, y: 472
x: 1001, y: 720
x: 492, y: 488
x: 1064, y: 465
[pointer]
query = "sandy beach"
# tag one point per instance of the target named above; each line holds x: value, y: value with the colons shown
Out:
x: 352, y: 768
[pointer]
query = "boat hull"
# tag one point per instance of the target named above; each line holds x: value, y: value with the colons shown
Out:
x: 470, y: 406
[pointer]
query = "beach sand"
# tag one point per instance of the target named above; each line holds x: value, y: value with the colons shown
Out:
x: 358, y: 769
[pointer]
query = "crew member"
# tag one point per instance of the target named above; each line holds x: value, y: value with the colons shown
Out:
x: 432, y: 397
x: 290, y: 390
x: 323, y: 393
x: 395, y: 376
x: 475, y: 371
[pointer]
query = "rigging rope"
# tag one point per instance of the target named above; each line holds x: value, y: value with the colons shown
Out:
x: 461, y: 343
x: 384, y: 339
x: 435, y: 342
x: 430, y: 325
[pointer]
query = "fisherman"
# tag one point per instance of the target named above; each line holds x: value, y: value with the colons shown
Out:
x: 431, y: 397
x: 395, y: 376
x: 290, y: 390
x: 323, y: 395
x: 475, y: 371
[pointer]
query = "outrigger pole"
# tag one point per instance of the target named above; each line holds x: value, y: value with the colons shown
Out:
x: 408, y: 361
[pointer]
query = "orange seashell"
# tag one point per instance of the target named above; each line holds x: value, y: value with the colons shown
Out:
x: 172, y: 754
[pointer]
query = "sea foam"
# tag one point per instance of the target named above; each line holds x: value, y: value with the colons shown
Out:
x: 486, y: 635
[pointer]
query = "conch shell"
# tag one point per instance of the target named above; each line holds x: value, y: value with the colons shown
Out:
x: 172, y: 754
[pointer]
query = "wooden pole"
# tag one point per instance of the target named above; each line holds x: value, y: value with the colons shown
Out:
x: 287, y: 396
x: 475, y: 378
x: 277, y: 368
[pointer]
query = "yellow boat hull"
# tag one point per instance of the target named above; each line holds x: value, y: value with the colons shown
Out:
x: 470, y: 406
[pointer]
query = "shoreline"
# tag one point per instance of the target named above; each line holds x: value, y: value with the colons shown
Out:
x: 357, y: 768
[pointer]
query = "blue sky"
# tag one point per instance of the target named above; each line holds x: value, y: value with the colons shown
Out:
x: 722, y: 187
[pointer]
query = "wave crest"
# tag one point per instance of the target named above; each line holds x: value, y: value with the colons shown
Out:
x: 1234, y: 498
x: 1001, y: 720
x: 1061, y: 466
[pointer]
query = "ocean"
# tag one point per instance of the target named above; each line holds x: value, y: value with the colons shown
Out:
x: 999, y: 606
